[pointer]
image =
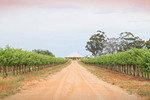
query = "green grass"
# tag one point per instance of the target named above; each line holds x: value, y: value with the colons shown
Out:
x: 121, y: 87
x: 141, y: 92
x: 20, y: 78
x: 8, y: 93
x: 147, y: 85
x: 130, y: 89
x: 3, y: 82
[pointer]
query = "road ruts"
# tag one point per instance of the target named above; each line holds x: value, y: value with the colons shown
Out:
x: 74, y: 83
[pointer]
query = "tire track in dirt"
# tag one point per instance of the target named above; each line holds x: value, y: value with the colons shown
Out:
x: 73, y: 83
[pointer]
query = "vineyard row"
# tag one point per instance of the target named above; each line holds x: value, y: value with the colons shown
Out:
x: 16, y: 61
x: 133, y: 62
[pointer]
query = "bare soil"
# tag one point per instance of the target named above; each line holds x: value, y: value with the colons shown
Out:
x: 73, y: 83
x: 132, y: 84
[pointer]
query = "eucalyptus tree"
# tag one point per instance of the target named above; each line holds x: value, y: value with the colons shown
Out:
x: 44, y: 52
x: 112, y: 45
x: 147, y: 43
x: 128, y: 41
x: 96, y: 43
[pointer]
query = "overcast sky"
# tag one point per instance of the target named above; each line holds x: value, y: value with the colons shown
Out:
x: 64, y: 26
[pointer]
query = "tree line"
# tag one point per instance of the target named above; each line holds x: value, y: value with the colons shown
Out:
x: 44, y: 52
x: 99, y: 44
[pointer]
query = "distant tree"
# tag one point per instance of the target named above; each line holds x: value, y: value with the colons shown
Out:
x: 138, y: 43
x: 128, y: 40
x: 96, y: 43
x: 147, y: 44
x: 112, y: 45
x: 44, y: 52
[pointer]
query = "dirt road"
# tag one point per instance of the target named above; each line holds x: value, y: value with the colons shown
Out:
x: 74, y: 83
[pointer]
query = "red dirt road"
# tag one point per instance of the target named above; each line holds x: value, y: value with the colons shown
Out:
x: 74, y: 83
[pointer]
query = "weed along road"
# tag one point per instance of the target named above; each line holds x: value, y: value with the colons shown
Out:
x: 73, y: 83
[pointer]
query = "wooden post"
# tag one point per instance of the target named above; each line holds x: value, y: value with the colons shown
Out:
x: 138, y: 74
x: 127, y: 69
x: 130, y: 69
x: 134, y: 70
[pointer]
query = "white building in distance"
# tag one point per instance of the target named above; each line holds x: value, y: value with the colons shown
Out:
x: 74, y: 56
